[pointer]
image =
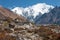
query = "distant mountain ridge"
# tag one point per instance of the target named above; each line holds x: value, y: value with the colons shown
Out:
x: 33, y: 12
x: 53, y: 17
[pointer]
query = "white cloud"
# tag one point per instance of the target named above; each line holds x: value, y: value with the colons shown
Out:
x: 34, y: 10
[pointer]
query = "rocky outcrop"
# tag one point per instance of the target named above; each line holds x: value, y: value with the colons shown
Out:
x: 30, y: 32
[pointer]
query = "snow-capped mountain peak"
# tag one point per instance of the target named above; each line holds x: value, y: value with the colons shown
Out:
x: 32, y: 12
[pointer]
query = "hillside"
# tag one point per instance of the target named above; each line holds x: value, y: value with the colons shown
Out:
x: 15, y: 27
x: 6, y: 13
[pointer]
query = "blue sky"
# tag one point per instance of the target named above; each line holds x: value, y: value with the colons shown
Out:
x: 25, y: 3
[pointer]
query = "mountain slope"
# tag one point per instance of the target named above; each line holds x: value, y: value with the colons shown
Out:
x: 53, y: 17
x: 6, y: 13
